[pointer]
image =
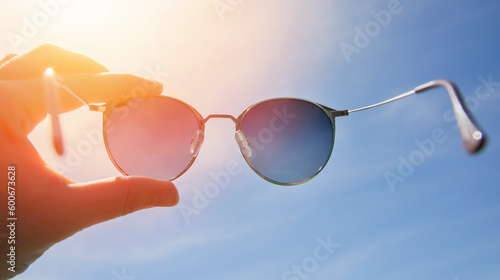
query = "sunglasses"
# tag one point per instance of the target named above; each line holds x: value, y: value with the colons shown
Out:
x: 286, y: 141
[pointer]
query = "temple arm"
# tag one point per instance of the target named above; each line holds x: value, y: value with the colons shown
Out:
x: 473, y: 139
x: 51, y: 87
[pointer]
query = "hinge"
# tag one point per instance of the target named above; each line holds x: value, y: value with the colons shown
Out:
x: 341, y: 113
x: 98, y: 107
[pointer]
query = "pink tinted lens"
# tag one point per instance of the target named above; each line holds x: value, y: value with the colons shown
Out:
x: 151, y: 137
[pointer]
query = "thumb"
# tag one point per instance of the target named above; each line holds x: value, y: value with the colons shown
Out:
x: 103, y: 200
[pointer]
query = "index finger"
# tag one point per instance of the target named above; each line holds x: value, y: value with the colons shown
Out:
x: 24, y: 100
x: 32, y: 64
x: 105, y: 88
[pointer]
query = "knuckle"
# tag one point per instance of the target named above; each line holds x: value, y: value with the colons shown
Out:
x: 133, y: 196
x: 47, y: 48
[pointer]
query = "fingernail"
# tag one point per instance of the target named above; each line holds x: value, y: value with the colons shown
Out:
x: 166, y: 197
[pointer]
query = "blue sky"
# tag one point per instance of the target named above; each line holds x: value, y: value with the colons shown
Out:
x: 439, y: 223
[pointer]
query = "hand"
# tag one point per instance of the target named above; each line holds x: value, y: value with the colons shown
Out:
x: 48, y: 206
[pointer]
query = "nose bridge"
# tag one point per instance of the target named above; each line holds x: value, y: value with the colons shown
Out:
x: 241, y: 140
x: 220, y: 116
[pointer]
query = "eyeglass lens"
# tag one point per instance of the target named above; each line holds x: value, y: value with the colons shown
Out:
x: 151, y: 137
x: 291, y: 139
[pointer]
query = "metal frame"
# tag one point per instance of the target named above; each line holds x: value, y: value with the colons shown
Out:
x: 107, y: 109
x: 473, y: 138
x: 331, y: 113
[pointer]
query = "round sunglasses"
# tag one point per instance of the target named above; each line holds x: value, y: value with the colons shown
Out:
x: 286, y: 141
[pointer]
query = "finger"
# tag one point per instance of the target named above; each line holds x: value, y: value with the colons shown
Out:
x: 95, y: 202
x: 106, y: 88
x: 33, y: 63
x: 24, y: 101
x: 7, y: 58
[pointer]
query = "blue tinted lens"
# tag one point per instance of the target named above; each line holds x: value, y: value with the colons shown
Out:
x: 151, y: 137
x: 291, y: 139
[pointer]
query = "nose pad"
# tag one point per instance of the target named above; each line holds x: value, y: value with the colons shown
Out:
x: 243, y: 143
x: 196, y: 143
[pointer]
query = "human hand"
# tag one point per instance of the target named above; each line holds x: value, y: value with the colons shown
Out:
x: 48, y: 206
